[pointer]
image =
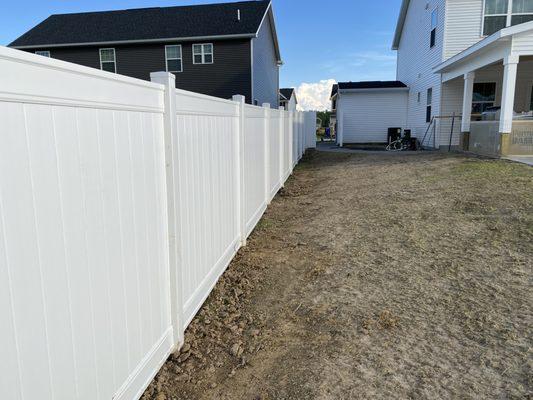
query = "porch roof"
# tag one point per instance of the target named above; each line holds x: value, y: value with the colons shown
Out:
x: 485, y: 52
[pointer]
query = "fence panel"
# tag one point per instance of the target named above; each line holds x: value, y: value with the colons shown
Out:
x: 275, y: 152
x: 287, y: 146
x: 295, y: 138
x: 207, y: 193
x: 83, y: 259
x: 255, y: 201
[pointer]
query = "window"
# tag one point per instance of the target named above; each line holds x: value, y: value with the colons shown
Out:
x: 334, y: 104
x: 499, y: 15
x: 108, y: 60
x: 173, y: 58
x: 429, y: 102
x: 44, y: 53
x: 531, y: 101
x: 202, y: 53
x: 522, y: 12
x: 434, y: 23
x: 484, y: 97
x: 418, y: 97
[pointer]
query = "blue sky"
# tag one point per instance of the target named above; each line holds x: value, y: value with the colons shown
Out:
x: 321, y: 40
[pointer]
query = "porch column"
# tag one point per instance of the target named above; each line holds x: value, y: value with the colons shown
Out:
x: 508, y: 93
x: 467, y: 101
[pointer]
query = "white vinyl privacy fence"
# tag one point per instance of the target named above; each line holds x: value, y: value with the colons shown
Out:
x: 121, y: 204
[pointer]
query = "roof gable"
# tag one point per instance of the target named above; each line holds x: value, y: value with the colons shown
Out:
x: 148, y: 24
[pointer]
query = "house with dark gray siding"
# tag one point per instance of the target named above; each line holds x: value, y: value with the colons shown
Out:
x: 215, y: 49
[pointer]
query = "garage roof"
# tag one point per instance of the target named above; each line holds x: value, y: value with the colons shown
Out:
x: 371, y: 85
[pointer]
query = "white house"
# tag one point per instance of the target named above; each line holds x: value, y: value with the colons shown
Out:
x: 288, y: 99
x: 464, y: 57
x: 366, y: 110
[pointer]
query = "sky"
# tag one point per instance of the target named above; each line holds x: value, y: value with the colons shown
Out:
x: 322, y: 41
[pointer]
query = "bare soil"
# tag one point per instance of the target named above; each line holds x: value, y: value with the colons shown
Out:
x: 374, y: 276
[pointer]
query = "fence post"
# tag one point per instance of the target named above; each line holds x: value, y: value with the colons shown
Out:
x: 173, y: 208
x: 241, y: 215
x: 266, y: 116
x: 281, y: 145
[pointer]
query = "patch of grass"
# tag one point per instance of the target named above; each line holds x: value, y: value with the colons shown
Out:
x: 264, y: 224
x: 491, y: 168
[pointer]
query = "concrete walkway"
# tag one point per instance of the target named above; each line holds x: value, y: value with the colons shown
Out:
x: 521, y: 159
x: 331, y: 147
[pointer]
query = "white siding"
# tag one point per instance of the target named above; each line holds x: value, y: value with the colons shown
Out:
x: 463, y: 25
x: 416, y: 60
x: 367, y: 115
x: 523, y: 43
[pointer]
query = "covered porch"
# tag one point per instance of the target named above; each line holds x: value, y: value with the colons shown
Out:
x: 490, y: 87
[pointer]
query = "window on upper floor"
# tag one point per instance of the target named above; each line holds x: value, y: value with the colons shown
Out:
x: 44, y: 53
x: 429, y: 103
x: 434, y: 23
x: 173, y: 58
x: 522, y: 11
x: 108, y: 60
x: 334, y: 104
x: 484, y: 96
x: 418, y: 97
x: 202, y: 53
x: 499, y: 14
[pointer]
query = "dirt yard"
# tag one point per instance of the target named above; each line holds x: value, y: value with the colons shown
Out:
x: 374, y: 277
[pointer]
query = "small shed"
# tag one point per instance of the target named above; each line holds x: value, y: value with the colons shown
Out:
x: 366, y: 110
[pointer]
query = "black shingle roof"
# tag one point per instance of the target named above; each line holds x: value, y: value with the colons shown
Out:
x: 287, y: 92
x: 147, y: 24
x: 371, y: 85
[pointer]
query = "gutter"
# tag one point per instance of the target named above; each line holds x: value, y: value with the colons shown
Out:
x: 161, y: 40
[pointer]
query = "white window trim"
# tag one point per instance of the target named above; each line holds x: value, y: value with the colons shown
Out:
x: 435, y: 10
x: 43, y: 53
x: 203, y: 54
x: 167, y: 59
x: 509, y: 16
x: 114, y: 57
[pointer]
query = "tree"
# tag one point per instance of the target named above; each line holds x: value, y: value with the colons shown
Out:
x: 325, y: 117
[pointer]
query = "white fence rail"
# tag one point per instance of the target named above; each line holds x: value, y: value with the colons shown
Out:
x: 121, y: 204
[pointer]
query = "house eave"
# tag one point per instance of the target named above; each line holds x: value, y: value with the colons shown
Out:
x: 400, y: 24
x: 119, y: 42
x: 503, y: 35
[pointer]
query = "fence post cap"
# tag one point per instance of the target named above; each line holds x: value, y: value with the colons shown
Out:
x: 266, y: 105
x: 281, y: 108
x: 161, y: 75
x: 239, y: 98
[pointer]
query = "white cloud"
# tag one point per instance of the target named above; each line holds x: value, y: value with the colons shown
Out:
x: 315, y: 96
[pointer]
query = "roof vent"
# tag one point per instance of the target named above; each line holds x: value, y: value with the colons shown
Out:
x: 238, y: 15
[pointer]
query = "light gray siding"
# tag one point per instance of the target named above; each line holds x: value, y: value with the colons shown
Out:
x: 463, y: 25
x: 265, y: 70
x: 416, y: 61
